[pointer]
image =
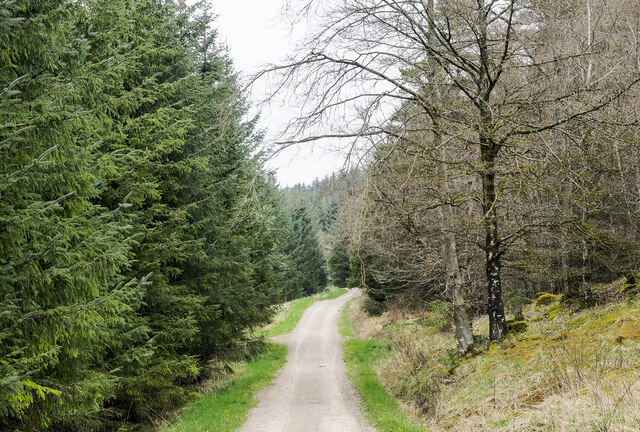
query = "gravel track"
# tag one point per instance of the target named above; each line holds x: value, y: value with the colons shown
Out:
x: 312, y: 392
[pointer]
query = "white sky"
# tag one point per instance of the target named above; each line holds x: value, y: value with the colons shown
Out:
x: 256, y: 35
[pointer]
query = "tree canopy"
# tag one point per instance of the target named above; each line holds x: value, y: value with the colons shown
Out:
x: 139, y: 234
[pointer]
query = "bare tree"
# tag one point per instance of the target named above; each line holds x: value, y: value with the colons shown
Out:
x: 370, y: 57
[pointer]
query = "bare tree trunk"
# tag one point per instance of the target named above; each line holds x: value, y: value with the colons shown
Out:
x: 464, y: 335
x: 497, y: 321
x: 623, y: 182
x: 563, y: 201
x: 454, y: 284
x: 488, y: 154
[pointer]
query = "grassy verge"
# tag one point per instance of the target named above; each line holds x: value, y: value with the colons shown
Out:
x: 225, y: 409
x: 564, y: 370
x: 296, y: 309
x: 382, y: 410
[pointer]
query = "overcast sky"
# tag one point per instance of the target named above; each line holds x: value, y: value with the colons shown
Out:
x: 256, y: 34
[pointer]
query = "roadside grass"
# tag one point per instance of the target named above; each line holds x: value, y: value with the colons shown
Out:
x: 568, y: 370
x: 224, y: 408
x: 361, y: 356
x: 294, y: 311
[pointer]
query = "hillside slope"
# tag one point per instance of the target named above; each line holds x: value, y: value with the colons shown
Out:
x: 566, y: 370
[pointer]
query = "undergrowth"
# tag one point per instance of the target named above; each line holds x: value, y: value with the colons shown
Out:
x: 568, y: 369
x: 224, y: 407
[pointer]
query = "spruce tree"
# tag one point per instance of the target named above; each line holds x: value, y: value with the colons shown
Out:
x: 63, y: 295
x: 307, y: 254
x: 338, y: 263
x: 138, y: 235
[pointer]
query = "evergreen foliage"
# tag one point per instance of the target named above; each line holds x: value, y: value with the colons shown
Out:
x: 324, y: 203
x: 138, y: 236
x: 339, y: 266
x: 323, y: 200
x: 306, y: 254
x: 65, y: 296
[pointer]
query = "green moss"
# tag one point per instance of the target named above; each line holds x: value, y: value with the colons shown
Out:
x: 559, y: 337
x: 522, y: 350
x: 554, y: 311
x: 577, y: 322
x: 546, y: 299
x: 628, y: 288
x: 494, y: 349
x: 518, y: 326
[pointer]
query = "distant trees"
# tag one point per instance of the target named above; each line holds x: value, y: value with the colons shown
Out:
x: 307, y: 255
x: 339, y: 266
x: 462, y: 100
x: 138, y: 235
x: 324, y: 204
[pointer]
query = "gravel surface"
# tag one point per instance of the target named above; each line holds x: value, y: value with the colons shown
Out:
x: 312, y: 392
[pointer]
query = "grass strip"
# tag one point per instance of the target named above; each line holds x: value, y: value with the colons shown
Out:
x: 360, y: 356
x: 296, y: 309
x: 225, y: 410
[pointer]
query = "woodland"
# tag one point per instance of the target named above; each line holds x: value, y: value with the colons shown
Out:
x: 141, y: 235
x: 496, y: 147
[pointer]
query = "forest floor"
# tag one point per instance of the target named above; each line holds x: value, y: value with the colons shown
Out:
x: 312, y: 392
x: 565, y: 370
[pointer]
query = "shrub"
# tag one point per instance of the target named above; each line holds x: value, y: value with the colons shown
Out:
x: 374, y: 307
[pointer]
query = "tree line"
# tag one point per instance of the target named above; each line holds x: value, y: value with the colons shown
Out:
x: 326, y: 201
x: 139, y: 234
x: 500, y: 145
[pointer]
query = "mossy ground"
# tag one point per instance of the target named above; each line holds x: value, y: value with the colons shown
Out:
x: 569, y: 371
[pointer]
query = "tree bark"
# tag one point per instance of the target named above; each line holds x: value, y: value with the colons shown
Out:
x: 488, y: 153
x: 497, y: 321
x: 455, y: 287
x: 454, y: 284
x: 464, y: 335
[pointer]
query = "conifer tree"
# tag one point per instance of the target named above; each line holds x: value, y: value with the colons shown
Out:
x: 64, y: 297
x: 339, y: 267
x: 138, y: 236
x: 307, y: 254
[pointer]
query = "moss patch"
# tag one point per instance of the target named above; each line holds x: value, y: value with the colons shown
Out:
x: 545, y: 299
x: 518, y: 326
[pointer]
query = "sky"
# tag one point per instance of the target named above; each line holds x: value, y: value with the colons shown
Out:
x: 257, y: 34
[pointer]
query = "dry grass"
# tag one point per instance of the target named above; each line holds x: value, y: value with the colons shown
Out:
x: 570, y: 371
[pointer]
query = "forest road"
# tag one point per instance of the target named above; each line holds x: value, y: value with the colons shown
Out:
x: 312, y: 392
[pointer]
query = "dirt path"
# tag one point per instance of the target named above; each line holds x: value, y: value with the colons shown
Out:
x: 312, y: 392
